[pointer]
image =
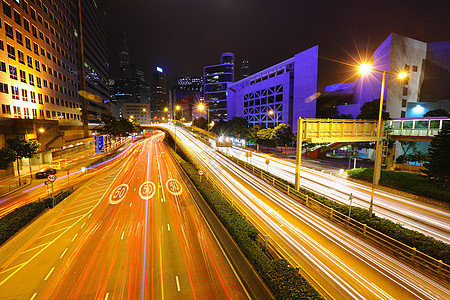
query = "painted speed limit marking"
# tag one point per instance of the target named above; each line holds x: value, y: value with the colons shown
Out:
x: 147, y: 190
x: 174, y: 187
x: 118, y: 194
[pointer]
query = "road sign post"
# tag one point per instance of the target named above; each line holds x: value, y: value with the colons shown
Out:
x: 200, y: 174
x: 52, y: 178
x: 267, y: 163
x: 68, y: 175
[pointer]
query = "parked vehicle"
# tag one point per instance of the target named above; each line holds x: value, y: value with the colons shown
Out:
x: 43, y: 173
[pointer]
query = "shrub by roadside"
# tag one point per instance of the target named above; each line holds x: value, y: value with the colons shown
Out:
x: 413, y: 183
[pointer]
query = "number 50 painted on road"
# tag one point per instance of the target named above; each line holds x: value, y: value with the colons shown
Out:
x: 118, y: 194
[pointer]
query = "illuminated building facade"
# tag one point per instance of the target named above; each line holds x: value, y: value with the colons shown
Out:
x: 38, y: 61
x: 160, y: 97
x: 187, y: 94
x: 139, y: 112
x: 216, y: 79
x: 287, y: 89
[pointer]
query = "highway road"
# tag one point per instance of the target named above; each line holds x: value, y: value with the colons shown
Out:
x: 132, y: 232
x: 339, y: 264
x: 416, y: 215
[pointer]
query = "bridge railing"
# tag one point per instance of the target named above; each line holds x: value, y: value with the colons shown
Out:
x: 421, y: 127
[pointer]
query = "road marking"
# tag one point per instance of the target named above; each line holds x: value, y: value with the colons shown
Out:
x: 89, y: 216
x: 74, y: 237
x: 168, y: 227
x: 63, y: 253
x: 178, y: 283
x: 131, y: 204
x: 32, y: 297
x: 35, y: 248
x: 50, y: 233
x: 134, y: 190
x: 106, y: 296
x: 83, y: 224
x: 58, y: 223
x: 49, y: 273
x: 122, y: 235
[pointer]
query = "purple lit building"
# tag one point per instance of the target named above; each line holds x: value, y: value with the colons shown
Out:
x: 288, y: 89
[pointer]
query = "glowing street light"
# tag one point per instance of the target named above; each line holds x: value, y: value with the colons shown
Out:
x: 271, y: 113
x: 365, y: 69
x: 203, y: 107
x: 41, y: 130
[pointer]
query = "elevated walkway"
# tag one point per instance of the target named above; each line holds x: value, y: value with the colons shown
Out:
x: 416, y: 129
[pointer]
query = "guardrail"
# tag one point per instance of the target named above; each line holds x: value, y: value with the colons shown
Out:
x: 395, y: 248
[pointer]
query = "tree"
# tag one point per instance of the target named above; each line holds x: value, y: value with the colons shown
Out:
x: 200, y: 123
x: 252, y: 134
x: 219, y: 127
x: 22, y: 148
x: 237, y: 127
x: 370, y: 111
x: 283, y: 136
x: 265, y: 137
x: 6, y: 158
x: 406, y: 146
x: 437, y: 113
x: 437, y: 165
x: 115, y: 128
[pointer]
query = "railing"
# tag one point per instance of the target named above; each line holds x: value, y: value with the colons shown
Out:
x: 420, y: 127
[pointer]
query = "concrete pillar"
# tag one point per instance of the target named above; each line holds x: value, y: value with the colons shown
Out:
x: 47, y: 157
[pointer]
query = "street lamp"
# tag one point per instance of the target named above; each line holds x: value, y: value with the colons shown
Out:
x: 202, y: 107
x: 365, y: 69
x: 271, y: 113
x: 175, y: 125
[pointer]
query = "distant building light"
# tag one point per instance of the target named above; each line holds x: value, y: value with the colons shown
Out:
x: 160, y: 70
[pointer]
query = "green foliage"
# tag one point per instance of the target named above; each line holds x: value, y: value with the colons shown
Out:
x: 437, y: 113
x: 117, y: 128
x: 437, y: 165
x: 237, y: 127
x: 282, y: 135
x: 265, y: 137
x: 370, y: 111
x: 200, y: 123
x: 284, y: 280
x: 252, y: 134
x: 23, y: 148
x: 15, y: 220
x: 7, y: 156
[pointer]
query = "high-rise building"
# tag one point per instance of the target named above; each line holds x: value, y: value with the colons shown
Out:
x: 187, y: 94
x: 245, y: 70
x: 38, y: 62
x: 216, y: 79
x: 160, y: 95
x: 95, y: 61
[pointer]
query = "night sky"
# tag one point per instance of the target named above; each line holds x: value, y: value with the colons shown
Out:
x: 182, y: 36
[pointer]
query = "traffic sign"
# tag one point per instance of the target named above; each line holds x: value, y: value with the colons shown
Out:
x: 118, y: 194
x: 51, y: 177
x: 99, y: 144
x: 267, y: 161
x: 147, y: 190
x: 174, y: 187
x: 200, y: 172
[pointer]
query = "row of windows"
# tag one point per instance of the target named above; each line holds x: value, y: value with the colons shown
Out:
x: 40, y: 97
x: 264, y: 92
x: 20, y: 40
x: 39, y: 81
x: 264, y: 100
x: 24, y: 112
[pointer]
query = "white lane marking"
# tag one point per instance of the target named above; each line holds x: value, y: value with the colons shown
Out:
x: 32, y: 297
x: 50, y: 233
x: 64, y: 221
x: 168, y: 227
x: 178, y: 283
x: 74, y: 237
x: 49, y: 273
x: 63, y: 253
x: 34, y: 248
x: 122, y: 235
x: 83, y: 225
x: 131, y: 204
x: 106, y: 296
x: 89, y: 216
x: 134, y: 190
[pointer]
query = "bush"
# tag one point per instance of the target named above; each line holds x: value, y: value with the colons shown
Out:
x: 15, y: 220
x: 414, y: 183
x: 284, y: 280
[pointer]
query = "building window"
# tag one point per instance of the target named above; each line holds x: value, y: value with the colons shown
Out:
x: 15, y: 92
x: 19, y: 37
x: 2, y: 47
x: 33, y: 96
x: 9, y: 31
x: 34, y: 113
x: 405, y: 91
x: 46, y: 98
x: 414, y: 68
x: 2, y: 66
x: 404, y: 101
x: 40, y: 99
x: 37, y: 65
x: 407, y: 68
x: 33, y: 13
x: 45, y: 83
x: 30, y: 61
x: 26, y: 112
x: 34, y: 31
x: 17, y: 112
x: 6, y: 109
x: 403, y: 114
x: 47, y: 113
x: 39, y: 18
x: 25, y: 6
x: 31, y: 78
x: 38, y: 82
x: 13, y: 72
x: 52, y: 100
x: 21, y: 58
x: 23, y: 76
x: 41, y: 114
x: 17, y: 18
x: 6, y: 9
x: 28, y: 43
x: 26, y: 25
x: 36, y: 48
x: 4, y: 88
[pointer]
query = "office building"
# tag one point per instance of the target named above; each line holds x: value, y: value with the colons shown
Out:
x: 95, y: 61
x: 160, y: 95
x: 38, y: 62
x: 187, y: 94
x: 139, y: 112
x: 217, y: 78
x: 245, y: 70
x: 287, y: 89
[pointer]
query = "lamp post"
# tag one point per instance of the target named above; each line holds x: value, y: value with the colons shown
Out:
x: 366, y: 69
x: 271, y: 113
x: 175, y: 125
x: 166, y: 110
x: 202, y: 107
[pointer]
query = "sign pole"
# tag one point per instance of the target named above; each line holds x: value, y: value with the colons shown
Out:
x: 53, y: 195
x: 299, y: 153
